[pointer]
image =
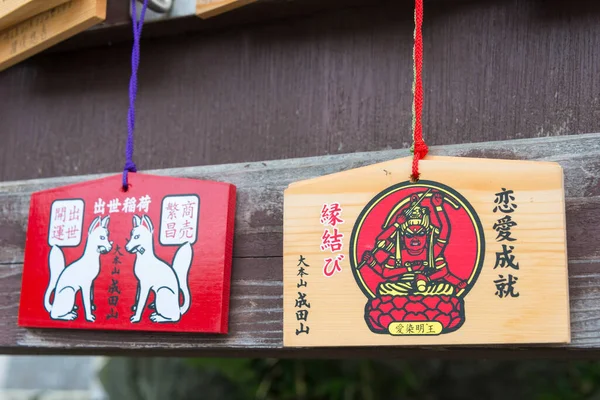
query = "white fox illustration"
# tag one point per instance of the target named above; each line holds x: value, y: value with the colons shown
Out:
x: 156, y: 275
x: 66, y: 281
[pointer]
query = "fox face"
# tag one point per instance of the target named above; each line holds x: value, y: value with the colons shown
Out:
x: 98, y: 235
x: 141, y: 235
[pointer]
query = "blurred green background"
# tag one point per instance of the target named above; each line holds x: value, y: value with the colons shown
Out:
x: 178, y: 379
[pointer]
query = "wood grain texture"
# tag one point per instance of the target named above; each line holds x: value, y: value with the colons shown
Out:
x: 210, y: 8
x: 329, y: 83
x: 256, y: 303
x: 14, y: 11
x: 48, y: 28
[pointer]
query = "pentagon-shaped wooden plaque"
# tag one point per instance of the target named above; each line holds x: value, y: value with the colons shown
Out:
x: 473, y: 253
x: 154, y: 258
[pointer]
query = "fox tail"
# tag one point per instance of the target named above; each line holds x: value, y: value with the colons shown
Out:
x: 181, y: 264
x: 56, y: 264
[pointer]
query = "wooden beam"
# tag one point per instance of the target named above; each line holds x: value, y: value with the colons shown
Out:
x: 116, y: 28
x: 256, y: 299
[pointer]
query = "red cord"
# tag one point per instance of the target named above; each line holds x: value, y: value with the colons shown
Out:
x: 419, y: 146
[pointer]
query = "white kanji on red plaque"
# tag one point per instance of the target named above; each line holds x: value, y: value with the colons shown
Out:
x: 179, y: 219
x: 66, y: 221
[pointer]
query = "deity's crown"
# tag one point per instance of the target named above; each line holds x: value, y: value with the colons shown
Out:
x: 417, y: 216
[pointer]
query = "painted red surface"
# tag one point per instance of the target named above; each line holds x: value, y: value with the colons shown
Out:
x: 416, y: 250
x: 461, y: 251
x: 208, y: 276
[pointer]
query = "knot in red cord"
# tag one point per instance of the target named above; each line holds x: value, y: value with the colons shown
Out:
x: 420, y: 150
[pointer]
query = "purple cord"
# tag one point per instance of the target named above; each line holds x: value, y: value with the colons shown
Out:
x: 135, y: 63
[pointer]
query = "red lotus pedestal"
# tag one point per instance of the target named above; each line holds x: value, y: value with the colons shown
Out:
x: 448, y: 311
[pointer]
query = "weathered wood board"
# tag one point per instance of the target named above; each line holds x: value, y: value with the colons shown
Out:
x: 210, y: 8
x: 315, y: 109
x: 472, y: 253
x: 14, y: 11
x: 256, y: 316
x: 44, y: 30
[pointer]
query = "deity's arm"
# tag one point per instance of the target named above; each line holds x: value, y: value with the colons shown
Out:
x: 444, y: 223
x: 380, y: 261
x: 386, y: 235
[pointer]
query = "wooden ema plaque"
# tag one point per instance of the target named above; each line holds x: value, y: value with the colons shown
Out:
x: 154, y: 258
x: 15, y: 11
x: 473, y: 253
x: 210, y: 8
x: 48, y: 28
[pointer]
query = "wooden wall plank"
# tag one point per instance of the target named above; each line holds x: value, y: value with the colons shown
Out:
x: 334, y: 82
x: 256, y: 308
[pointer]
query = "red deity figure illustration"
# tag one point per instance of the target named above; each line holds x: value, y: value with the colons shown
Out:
x: 416, y: 250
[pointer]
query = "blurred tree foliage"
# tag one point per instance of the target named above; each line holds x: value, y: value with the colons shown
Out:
x: 271, y: 379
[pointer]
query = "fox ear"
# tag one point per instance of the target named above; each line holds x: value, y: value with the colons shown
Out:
x: 136, y: 221
x: 105, y: 221
x: 148, y: 223
x: 95, y: 223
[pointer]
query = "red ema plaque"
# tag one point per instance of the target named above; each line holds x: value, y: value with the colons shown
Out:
x: 154, y: 258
